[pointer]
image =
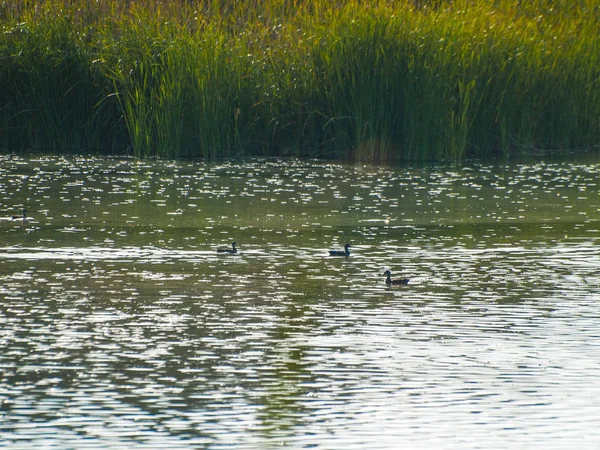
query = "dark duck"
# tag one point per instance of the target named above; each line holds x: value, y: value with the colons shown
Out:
x: 345, y: 252
x: 231, y: 250
x: 389, y: 280
x: 22, y: 216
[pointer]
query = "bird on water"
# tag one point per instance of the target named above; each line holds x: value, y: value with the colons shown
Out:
x: 231, y: 250
x: 22, y: 216
x: 389, y: 280
x: 345, y: 252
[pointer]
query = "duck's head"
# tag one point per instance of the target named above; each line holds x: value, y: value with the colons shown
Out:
x: 387, y: 273
x: 346, y: 247
x: 233, y: 244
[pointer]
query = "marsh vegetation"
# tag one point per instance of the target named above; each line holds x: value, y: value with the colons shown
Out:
x: 369, y: 81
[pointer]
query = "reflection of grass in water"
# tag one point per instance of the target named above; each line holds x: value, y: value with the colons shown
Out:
x: 365, y: 81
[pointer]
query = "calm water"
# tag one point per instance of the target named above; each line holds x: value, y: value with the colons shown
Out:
x: 121, y: 327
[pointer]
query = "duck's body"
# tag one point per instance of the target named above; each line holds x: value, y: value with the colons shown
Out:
x: 21, y: 217
x: 390, y: 282
x: 345, y: 252
x: 231, y: 250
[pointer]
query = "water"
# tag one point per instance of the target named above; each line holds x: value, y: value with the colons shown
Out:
x: 121, y: 327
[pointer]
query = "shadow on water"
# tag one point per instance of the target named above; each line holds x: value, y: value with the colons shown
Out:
x: 122, y: 326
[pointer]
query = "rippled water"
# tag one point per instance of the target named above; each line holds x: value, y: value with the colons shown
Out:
x: 121, y: 327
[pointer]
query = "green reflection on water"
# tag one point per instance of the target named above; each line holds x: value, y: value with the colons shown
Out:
x: 115, y: 284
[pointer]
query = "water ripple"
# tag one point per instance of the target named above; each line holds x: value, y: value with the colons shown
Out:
x: 122, y: 327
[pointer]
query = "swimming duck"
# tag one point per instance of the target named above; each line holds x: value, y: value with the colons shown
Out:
x: 389, y: 280
x: 346, y: 252
x: 21, y: 217
x: 231, y: 250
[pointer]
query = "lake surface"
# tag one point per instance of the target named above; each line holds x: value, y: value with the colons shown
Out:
x: 121, y: 327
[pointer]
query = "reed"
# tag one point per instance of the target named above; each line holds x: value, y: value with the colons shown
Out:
x: 52, y: 91
x: 366, y: 81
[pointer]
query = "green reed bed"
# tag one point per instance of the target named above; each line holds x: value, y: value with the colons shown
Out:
x: 369, y: 81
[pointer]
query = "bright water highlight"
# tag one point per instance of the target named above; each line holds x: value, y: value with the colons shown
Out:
x: 121, y: 327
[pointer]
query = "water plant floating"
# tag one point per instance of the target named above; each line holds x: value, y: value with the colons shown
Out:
x: 345, y: 252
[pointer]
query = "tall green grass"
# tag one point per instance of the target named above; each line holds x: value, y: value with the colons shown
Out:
x: 366, y: 81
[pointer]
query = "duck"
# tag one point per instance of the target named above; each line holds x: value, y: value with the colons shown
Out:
x: 389, y: 280
x: 231, y: 250
x: 345, y: 252
x: 21, y: 217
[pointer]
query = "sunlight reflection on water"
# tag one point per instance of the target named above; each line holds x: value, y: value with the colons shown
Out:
x: 122, y: 327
